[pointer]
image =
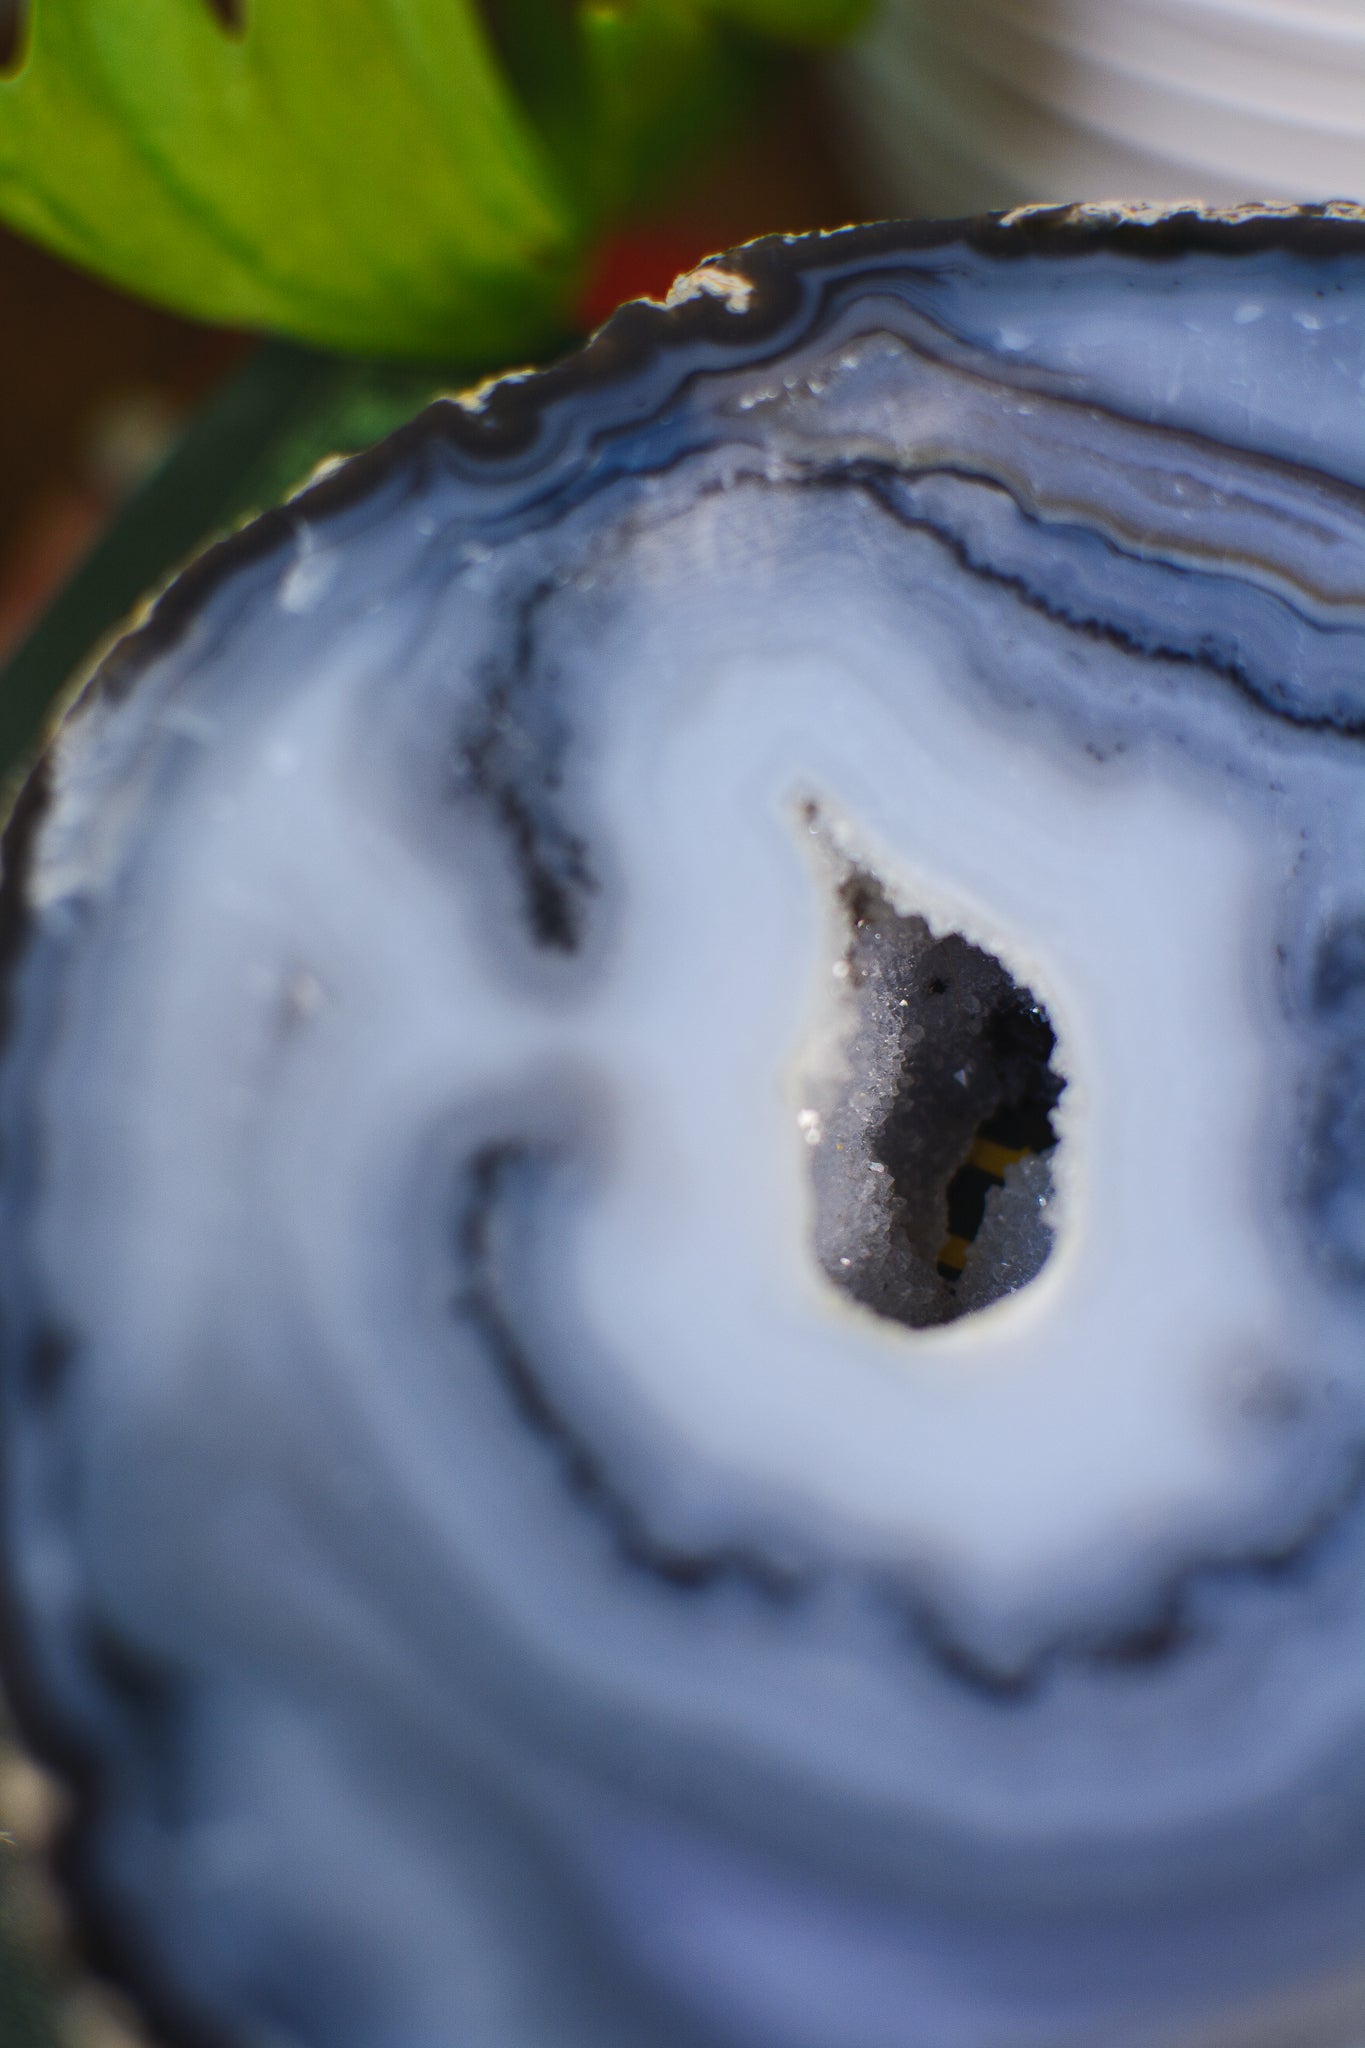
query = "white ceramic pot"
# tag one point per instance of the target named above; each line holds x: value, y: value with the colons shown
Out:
x: 952, y: 106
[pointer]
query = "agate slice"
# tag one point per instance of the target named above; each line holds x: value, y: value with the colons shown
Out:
x: 682, y: 1224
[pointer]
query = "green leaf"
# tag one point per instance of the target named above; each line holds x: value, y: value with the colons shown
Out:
x: 365, y: 175
x: 661, y: 78
x: 354, y: 172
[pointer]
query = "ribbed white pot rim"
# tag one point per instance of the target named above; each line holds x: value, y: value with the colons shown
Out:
x: 1325, y: 95
x: 1219, y: 19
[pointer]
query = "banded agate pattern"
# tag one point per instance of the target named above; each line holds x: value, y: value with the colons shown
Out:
x: 682, y: 1185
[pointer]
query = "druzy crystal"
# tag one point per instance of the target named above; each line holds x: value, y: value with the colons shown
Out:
x: 682, y: 1185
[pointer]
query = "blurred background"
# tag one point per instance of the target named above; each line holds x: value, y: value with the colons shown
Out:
x: 98, y: 384
x: 963, y: 105
x: 936, y: 107
x: 130, y: 434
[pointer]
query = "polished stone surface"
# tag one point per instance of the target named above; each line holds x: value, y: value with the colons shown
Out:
x: 682, y: 1186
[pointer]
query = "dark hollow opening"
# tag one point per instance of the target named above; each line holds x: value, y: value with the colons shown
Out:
x: 933, y: 1167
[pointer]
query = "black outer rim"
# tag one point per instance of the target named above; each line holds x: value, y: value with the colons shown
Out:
x: 503, y: 422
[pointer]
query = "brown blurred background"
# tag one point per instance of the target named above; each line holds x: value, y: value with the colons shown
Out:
x: 94, y: 386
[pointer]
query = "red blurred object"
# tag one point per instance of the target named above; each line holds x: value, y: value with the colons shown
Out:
x: 638, y: 263
x: 778, y: 175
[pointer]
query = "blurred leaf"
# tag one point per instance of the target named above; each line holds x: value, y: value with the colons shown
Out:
x: 365, y: 175
x: 354, y: 172
x: 284, y: 411
x: 661, y: 79
x: 619, y: 89
x: 813, y: 24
